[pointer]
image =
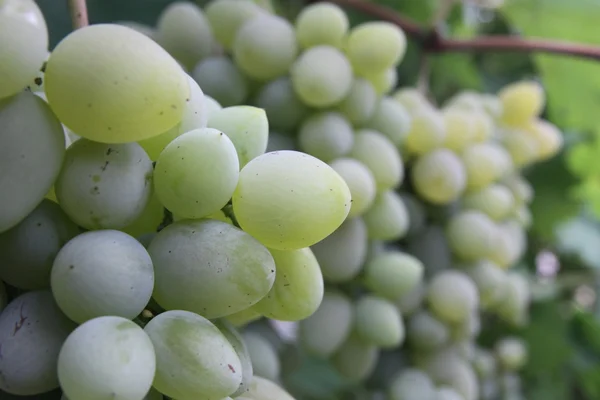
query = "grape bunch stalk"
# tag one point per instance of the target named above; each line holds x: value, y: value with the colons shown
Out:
x: 166, y: 190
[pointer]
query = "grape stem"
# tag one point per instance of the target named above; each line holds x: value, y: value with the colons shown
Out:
x: 79, y: 15
x: 431, y: 40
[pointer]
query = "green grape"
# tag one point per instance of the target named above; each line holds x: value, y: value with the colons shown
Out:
x: 375, y: 46
x: 226, y: 17
x: 548, y: 138
x: 321, y: 24
x: 283, y: 107
x: 515, y: 302
x: 219, y: 78
x: 149, y: 220
x: 211, y: 105
x: 387, y: 219
x: 427, y: 131
x: 244, y: 317
x: 24, y: 38
x: 209, y: 267
x: 485, y: 163
x: 265, y: 47
x: 471, y: 235
x: 355, y: 359
x: 484, y: 363
x: 496, y: 201
x: 37, y: 85
x: 411, y: 301
x: 360, y: 103
x: 393, y: 274
x: 411, y: 384
x: 489, y: 279
x: 321, y: 76
x: 460, y: 128
x: 32, y: 147
x: 412, y: 99
x: 107, y: 355
x: 521, y: 101
x: 452, y: 296
x: 289, y: 200
x: 380, y: 155
x: 342, y: 254
x: 32, y: 331
x: 141, y: 28
x: 466, y: 100
x: 425, y: 332
x: 243, y: 352
x: 417, y: 216
x: 325, y: 331
x: 511, y: 353
x: 246, y: 126
x: 439, y: 176
x: 28, y: 249
x: 264, y: 389
x: 326, y: 135
x: 510, y: 242
x: 448, y: 393
x: 84, y: 270
x: 104, y: 186
x: 378, y: 322
x: 193, y: 358
x: 524, y: 149
x: 184, y: 31
x: 360, y: 181
x: 520, y: 188
x: 196, y: 173
x: 133, y: 91
x: 391, y: 119
x: 384, y: 81
x: 483, y: 126
x: 432, y: 248
x: 467, y: 329
x: 298, y: 288
x: 279, y: 141
x: 265, y: 361
x: 450, y: 370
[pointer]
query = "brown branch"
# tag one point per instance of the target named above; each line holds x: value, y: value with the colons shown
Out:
x: 79, y: 15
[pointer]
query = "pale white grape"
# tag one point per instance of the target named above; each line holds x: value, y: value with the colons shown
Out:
x: 497, y: 201
x: 387, y: 219
x: 360, y: 181
x: 265, y: 360
x: 448, y: 393
x: 515, y: 303
x: 242, y: 350
x: 355, y: 359
x: 511, y: 353
x: 452, y: 296
x: 226, y: 17
x: 485, y: 163
x: 211, y: 105
x: 521, y: 101
x: 264, y: 389
x: 321, y: 24
x: 391, y: 119
x: 326, y: 136
x: 460, y: 128
x: 411, y: 384
x: 427, y: 131
x: 490, y: 280
x: 447, y: 368
x: 283, y: 107
x: 471, y: 235
x: 439, y: 176
x: 375, y: 46
x: 220, y: 78
x: 393, y: 274
x: 359, y: 104
x: 425, y: 332
x: 412, y: 99
x: 509, y: 244
x: 379, y: 322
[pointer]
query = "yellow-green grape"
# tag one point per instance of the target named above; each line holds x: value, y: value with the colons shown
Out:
x: 411, y: 384
x: 495, y: 200
x: 342, y: 254
x: 427, y: 131
x: 184, y: 31
x: 244, y: 317
x: 384, y: 81
x: 359, y: 104
x: 485, y: 163
x: 378, y: 322
x: 226, y: 17
x: 412, y: 99
x: 264, y: 357
x: 283, y: 107
x: 439, y: 176
x: 483, y: 126
x: 391, y: 119
x: 132, y: 91
x: 466, y: 100
x: 387, y: 219
x: 521, y: 101
x: 193, y: 358
x: 279, y: 141
x: 322, y: 76
x: 360, y: 181
x: 393, y: 274
x: 515, y: 303
x: 489, y: 279
x: 447, y: 368
x: 246, y: 126
x: 549, y: 139
x: 24, y: 38
x: 460, y: 128
x: 298, y: 288
x: 471, y: 235
x: 265, y: 47
x: 520, y: 188
x: 264, y: 389
x: 241, y: 349
x: 509, y: 245
x: 356, y: 359
x: 373, y: 47
x: 452, y: 296
x: 321, y: 24
x: 325, y: 331
x: 511, y: 353
x: 326, y: 135
x: 524, y: 149
x: 220, y: 78
x: 149, y: 220
x: 426, y: 333
x: 380, y: 155
x: 289, y: 200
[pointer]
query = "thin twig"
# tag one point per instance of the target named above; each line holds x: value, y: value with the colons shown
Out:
x: 79, y: 15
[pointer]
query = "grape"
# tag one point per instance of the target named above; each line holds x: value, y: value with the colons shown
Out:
x: 32, y: 331
x: 197, y: 172
x: 360, y: 181
x: 496, y: 201
x: 355, y: 359
x: 427, y: 131
x: 425, y: 332
x: 24, y: 38
x: 431, y: 247
x: 211, y: 105
x: 32, y: 146
x: 439, y: 176
x: 489, y: 279
x: 411, y: 301
x: 184, y: 31
x: 326, y: 136
x: 521, y: 101
x: 378, y: 322
x: 102, y: 273
x: 375, y: 46
x: 466, y: 100
x: 219, y: 78
x: 107, y: 357
x: 360, y: 103
x: 325, y: 331
x: 209, y: 267
x: 448, y: 393
x: 416, y: 214
x: 141, y: 28
x: 279, y: 141
x: 321, y: 24
x: 379, y: 154
x: 290, y: 200
x: 411, y: 384
x: 37, y: 86
x: 28, y: 249
x: 514, y: 304
x: 484, y: 363
x: 193, y: 359
x: 243, y: 352
x: 341, y: 255
x: 520, y: 188
x: 452, y: 296
x: 264, y: 389
x: 243, y: 317
x: 265, y: 360
x: 523, y: 148
x: 548, y: 137
x: 485, y: 163
x: 391, y: 119
x: 413, y: 100
x: 322, y: 76
x: 511, y: 353
x: 283, y: 107
x: 466, y: 329
x: 387, y: 219
x: 133, y: 91
x: 226, y: 17
x: 483, y: 127
x: 393, y: 274
x: 298, y: 288
x: 247, y: 127
x: 448, y: 369
x: 471, y: 235
x: 104, y: 186
x: 265, y: 47
x: 149, y: 220
x: 384, y: 81
x: 460, y: 128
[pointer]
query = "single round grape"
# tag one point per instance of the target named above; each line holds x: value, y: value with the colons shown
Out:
x: 427, y: 131
x: 133, y: 91
x: 521, y: 101
x: 322, y: 76
x: 452, y: 296
x: 460, y: 128
x: 496, y: 201
x: 391, y: 119
x: 549, y: 139
x: 471, y: 235
x: 393, y: 274
x: 511, y: 353
x: 241, y: 350
x: 411, y: 384
x: 289, y: 200
x: 211, y: 105
x: 524, y: 149
x: 149, y: 220
x: 485, y: 163
x: 483, y: 126
x: 412, y: 99
x: 490, y: 280
x: 360, y: 181
x: 284, y: 109
x: 379, y: 322
x: 387, y: 219
x: 220, y: 78
x: 326, y: 135
x: 384, y: 81
x: 425, y: 332
x: 265, y: 360
x: 359, y: 104
x: 279, y: 142
x: 226, y: 17
x: 321, y: 24
x: 375, y: 46
x: 32, y: 331
x: 355, y: 359
x: 107, y: 355
x: 265, y: 47
x: 264, y: 389
x: 439, y: 176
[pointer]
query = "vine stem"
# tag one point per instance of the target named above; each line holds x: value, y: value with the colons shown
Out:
x: 79, y: 14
